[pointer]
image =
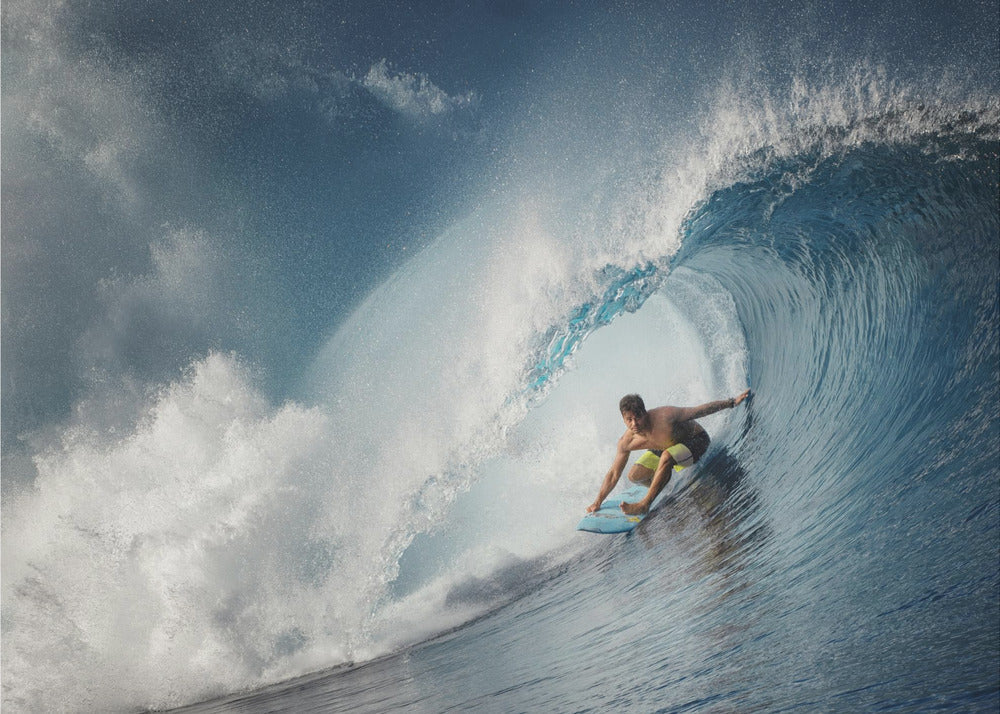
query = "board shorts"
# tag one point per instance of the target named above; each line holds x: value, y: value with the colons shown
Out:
x: 683, y: 458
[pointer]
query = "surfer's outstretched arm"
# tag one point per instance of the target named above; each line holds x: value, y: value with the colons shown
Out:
x: 614, y: 473
x: 703, y: 410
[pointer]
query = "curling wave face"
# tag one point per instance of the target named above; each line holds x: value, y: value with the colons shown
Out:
x: 838, y: 548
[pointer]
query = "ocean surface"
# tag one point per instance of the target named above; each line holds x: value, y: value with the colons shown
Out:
x: 316, y: 317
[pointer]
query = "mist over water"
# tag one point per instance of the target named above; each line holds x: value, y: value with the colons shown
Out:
x: 315, y: 322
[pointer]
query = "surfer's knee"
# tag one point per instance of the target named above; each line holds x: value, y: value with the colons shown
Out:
x: 641, y: 475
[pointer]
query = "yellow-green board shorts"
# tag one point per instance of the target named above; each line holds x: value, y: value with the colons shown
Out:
x: 682, y: 457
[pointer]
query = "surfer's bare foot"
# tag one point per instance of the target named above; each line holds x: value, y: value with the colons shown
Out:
x: 634, y: 509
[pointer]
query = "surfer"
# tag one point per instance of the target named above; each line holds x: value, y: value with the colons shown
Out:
x: 672, y: 439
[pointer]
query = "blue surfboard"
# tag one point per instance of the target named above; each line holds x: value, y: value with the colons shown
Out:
x: 609, y: 517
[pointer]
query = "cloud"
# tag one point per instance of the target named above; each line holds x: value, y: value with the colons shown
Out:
x: 78, y: 134
x: 95, y: 290
x: 152, y: 322
x: 413, y: 95
x: 271, y: 73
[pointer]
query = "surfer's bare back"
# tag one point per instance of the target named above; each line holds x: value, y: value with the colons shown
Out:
x: 671, y: 438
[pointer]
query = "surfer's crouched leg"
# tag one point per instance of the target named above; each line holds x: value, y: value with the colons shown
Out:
x: 643, y: 469
x: 640, y: 475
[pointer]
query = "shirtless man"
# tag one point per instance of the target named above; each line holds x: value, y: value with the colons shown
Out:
x: 672, y: 439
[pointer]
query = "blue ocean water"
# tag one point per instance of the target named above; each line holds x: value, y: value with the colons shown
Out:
x: 316, y: 319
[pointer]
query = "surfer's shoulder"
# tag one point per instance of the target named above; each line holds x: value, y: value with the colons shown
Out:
x: 664, y: 414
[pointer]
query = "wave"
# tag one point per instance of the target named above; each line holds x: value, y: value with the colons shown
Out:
x: 839, y: 256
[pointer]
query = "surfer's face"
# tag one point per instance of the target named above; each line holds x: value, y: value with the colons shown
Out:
x: 635, y: 423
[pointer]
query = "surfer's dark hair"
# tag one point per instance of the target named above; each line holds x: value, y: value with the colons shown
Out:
x: 632, y: 404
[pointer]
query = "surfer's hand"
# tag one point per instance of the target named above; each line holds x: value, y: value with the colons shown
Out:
x: 634, y: 509
x: 737, y: 400
x: 593, y: 506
